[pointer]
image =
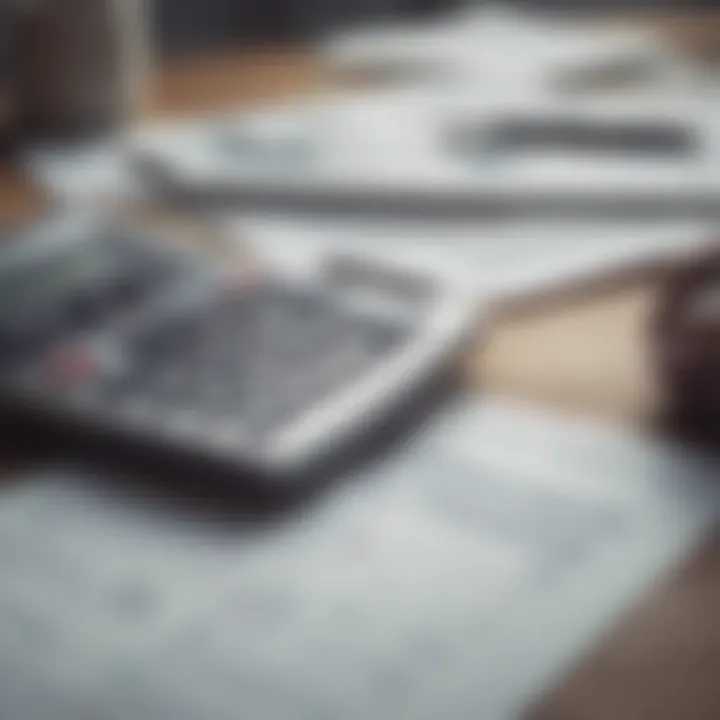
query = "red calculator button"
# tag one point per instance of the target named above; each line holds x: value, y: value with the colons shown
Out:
x: 72, y: 364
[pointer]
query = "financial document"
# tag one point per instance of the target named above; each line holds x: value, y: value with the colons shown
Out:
x: 453, y: 578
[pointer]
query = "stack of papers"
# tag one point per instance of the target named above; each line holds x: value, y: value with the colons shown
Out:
x: 408, y: 146
x: 391, y: 160
x: 498, y: 47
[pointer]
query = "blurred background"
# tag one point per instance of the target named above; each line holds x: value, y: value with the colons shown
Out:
x: 186, y: 26
x: 593, y: 349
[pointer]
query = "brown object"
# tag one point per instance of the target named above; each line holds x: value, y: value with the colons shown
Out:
x: 6, y: 107
x: 77, y: 65
x: 686, y: 336
x: 661, y: 662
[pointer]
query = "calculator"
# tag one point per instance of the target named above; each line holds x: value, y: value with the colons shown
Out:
x: 268, y: 367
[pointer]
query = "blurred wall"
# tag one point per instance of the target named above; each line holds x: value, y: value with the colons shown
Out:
x: 615, y: 6
x: 187, y: 25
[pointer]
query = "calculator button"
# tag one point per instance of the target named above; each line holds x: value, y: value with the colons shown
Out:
x: 136, y: 408
x: 186, y: 422
x: 242, y: 279
x: 72, y: 365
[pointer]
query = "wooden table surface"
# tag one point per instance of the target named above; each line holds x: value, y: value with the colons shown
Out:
x: 583, y: 354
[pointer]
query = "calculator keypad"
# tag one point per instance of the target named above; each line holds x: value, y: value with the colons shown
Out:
x: 255, y: 361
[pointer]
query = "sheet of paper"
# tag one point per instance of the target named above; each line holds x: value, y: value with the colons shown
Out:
x: 416, y: 583
x: 500, y: 260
